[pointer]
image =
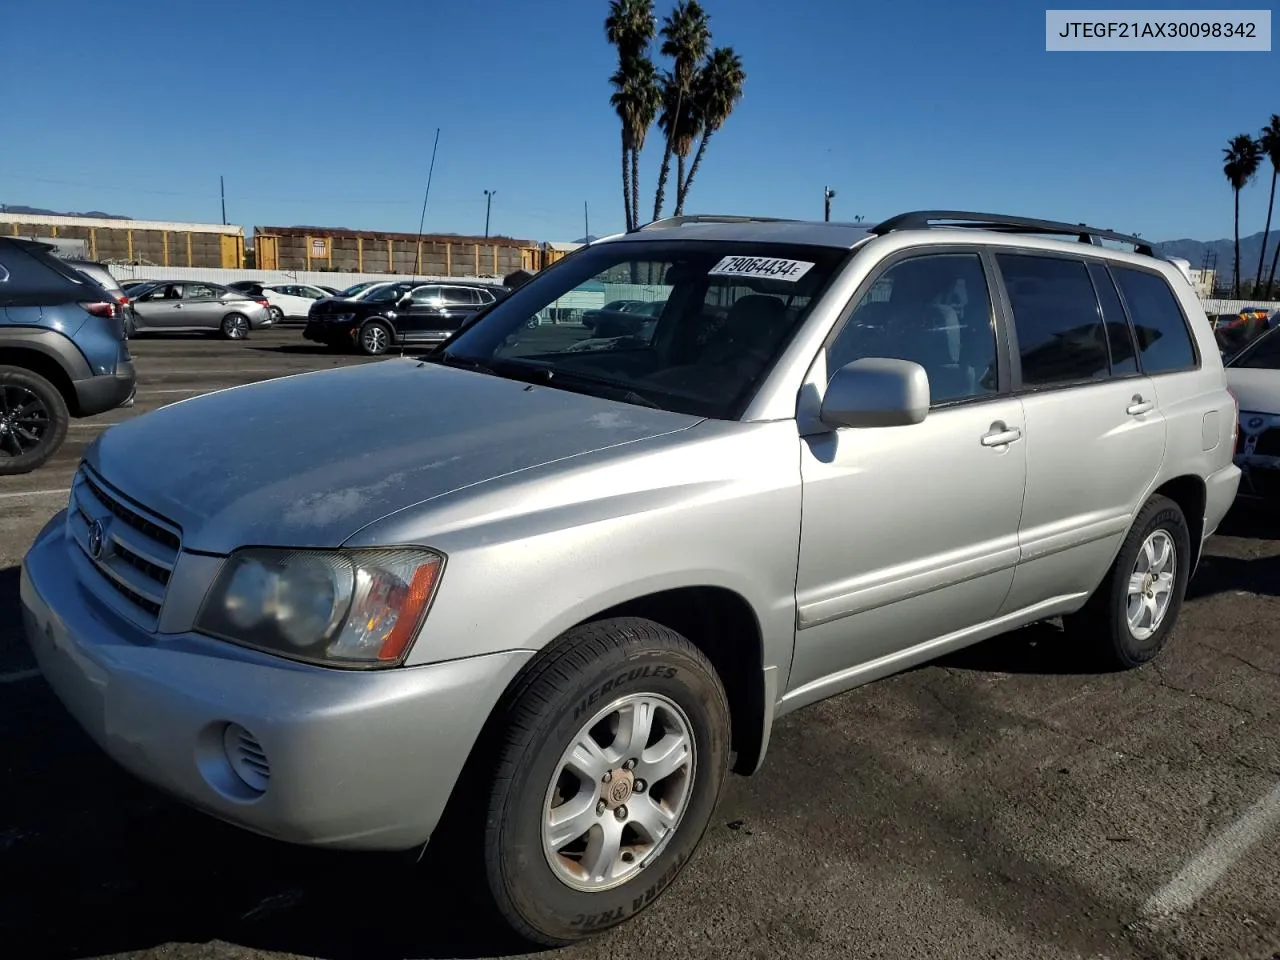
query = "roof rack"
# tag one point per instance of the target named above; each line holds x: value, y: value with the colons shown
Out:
x: 668, y: 222
x: 918, y: 219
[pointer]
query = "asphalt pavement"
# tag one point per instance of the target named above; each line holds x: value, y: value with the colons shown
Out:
x: 1001, y: 803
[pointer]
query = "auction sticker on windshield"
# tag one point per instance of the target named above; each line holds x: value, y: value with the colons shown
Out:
x: 765, y: 267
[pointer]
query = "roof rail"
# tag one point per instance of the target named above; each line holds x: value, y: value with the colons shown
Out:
x: 667, y: 223
x: 918, y: 219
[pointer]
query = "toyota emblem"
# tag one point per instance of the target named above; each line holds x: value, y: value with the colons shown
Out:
x: 97, y: 539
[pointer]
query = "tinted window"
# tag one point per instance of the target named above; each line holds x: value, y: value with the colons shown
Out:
x: 31, y: 279
x: 1061, y: 338
x: 935, y: 311
x: 458, y: 296
x: 1119, y: 337
x: 1164, y: 343
x: 1263, y: 354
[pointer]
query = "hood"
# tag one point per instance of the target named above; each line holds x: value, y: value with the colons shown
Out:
x: 309, y: 460
x: 1258, y: 390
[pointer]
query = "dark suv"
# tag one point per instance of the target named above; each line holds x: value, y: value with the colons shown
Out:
x: 406, y: 312
x: 63, y: 352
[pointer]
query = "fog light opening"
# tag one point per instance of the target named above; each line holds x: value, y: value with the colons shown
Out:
x: 246, y: 757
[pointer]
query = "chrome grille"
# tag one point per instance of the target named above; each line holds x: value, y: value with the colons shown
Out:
x: 134, y: 550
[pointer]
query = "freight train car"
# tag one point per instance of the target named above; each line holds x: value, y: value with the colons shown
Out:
x: 144, y: 242
x: 375, y: 251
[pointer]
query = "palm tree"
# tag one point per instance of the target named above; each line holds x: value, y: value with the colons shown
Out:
x: 636, y: 95
x: 630, y: 27
x: 1269, y: 143
x: 680, y: 122
x: 716, y: 92
x: 686, y: 35
x: 1240, y: 163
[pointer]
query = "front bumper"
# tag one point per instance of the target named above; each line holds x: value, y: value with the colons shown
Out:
x: 355, y: 759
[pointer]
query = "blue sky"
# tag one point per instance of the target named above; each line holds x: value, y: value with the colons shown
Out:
x: 324, y: 111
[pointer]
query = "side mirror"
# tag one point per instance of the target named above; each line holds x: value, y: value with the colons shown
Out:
x: 876, y: 392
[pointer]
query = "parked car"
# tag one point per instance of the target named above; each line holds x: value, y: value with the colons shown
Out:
x: 578, y: 587
x: 620, y: 318
x: 1254, y: 377
x: 285, y: 301
x: 101, y: 275
x: 63, y: 352
x: 192, y: 305
x: 398, y: 313
x: 330, y: 291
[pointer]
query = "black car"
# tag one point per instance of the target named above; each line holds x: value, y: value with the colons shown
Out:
x: 407, y: 312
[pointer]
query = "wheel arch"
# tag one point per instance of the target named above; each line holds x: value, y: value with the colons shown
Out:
x: 1190, y: 494
x: 39, y: 355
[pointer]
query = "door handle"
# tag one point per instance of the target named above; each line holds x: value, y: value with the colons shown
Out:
x: 1137, y: 406
x: 1000, y: 435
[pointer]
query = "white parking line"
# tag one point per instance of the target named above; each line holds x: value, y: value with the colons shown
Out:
x: 19, y: 675
x: 34, y: 493
x: 1207, y: 868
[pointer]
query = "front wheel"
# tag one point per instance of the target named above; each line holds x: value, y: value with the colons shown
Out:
x: 612, y: 756
x: 374, y: 339
x: 1130, y: 616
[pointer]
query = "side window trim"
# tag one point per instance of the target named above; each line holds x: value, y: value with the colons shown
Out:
x: 1018, y: 387
x: 1196, y: 356
x: 1000, y: 331
x: 1101, y: 266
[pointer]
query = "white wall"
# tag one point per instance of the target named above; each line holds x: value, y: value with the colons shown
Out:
x: 220, y: 276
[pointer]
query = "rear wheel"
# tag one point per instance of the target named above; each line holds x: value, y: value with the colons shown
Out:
x: 1130, y: 616
x: 33, y: 421
x: 611, y: 757
x: 276, y: 314
x: 235, y: 326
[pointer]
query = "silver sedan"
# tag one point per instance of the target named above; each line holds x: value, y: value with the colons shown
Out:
x: 181, y: 306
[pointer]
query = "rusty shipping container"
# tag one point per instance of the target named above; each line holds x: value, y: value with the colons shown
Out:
x: 155, y: 243
x: 373, y: 251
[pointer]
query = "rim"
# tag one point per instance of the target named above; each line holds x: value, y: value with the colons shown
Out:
x: 24, y: 421
x: 276, y: 314
x: 236, y: 326
x: 1151, y: 585
x: 375, y: 339
x: 619, y: 792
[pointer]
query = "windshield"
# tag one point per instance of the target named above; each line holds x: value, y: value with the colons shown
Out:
x: 386, y: 294
x: 357, y: 289
x: 712, y: 318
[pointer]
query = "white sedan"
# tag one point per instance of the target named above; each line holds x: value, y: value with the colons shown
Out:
x: 1253, y: 375
x: 292, y: 301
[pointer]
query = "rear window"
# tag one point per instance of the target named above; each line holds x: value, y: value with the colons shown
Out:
x: 35, y: 277
x: 1164, y: 342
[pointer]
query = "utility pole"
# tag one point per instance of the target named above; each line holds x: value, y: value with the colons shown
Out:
x: 488, y: 201
x: 586, y: 224
x: 222, y: 189
x: 827, y: 194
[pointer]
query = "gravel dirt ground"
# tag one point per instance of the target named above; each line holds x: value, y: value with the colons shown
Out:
x: 1000, y: 803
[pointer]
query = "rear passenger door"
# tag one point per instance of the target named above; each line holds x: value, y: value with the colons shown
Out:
x: 1095, y: 434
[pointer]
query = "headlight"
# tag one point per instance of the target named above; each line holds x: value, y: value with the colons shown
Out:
x: 355, y: 608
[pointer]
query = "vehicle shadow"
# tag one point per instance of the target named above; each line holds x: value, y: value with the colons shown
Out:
x: 1041, y: 648
x: 94, y: 862
x: 297, y: 349
x: 1257, y: 575
x: 1250, y: 522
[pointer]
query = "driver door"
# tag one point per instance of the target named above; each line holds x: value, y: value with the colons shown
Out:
x: 910, y: 533
x: 161, y: 308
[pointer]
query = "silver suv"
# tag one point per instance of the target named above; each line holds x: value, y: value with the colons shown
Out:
x: 569, y: 582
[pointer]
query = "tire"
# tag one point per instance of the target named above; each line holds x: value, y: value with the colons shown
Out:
x: 33, y: 421
x: 647, y: 669
x: 374, y: 339
x: 235, y: 326
x: 1103, y: 625
x: 277, y: 315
